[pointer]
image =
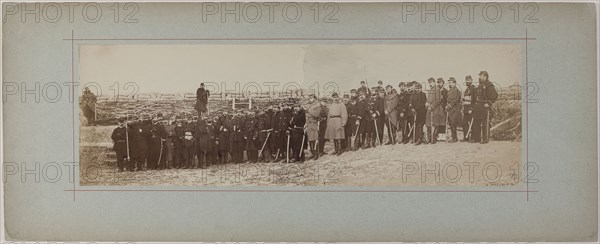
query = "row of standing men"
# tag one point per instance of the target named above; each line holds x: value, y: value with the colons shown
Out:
x: 285, y: 132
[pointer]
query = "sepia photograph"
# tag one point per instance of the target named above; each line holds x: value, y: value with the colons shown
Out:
x: 260, y: 115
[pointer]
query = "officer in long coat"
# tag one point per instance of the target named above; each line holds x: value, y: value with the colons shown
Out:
x: 468, y: 101
x: 453, y: 108
x: 350, y: 128
x: 143, y: 138
x: 275, y: 139
x: 170, y: 147
x: 251, y: 137
x: 322, y: 127
x: 119, y: 138
x: 392, y: 100
x: 201, y: 99
x: 313, y: 110
x: 236, y: 139
x: 436, y: 117
x: 224, y: 130
x: 418, y: 107
x: 482, y: 110
x: 336, y: 119
x: 370, y: 117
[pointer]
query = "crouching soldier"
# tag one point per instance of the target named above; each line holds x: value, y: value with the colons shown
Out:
x: 119, y: 138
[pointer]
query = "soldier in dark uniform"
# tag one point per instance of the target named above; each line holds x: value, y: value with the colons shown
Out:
x: 298, y: 135
x: 417, y: 106
x: 157, y: 144
x: 405, y: 118
x: 444, y: 92
x: 170, y: 147
x: 350, y: 127
x: 265, y: 132
x: 370, y: 118
x: 344, y: 142
x: 360, y: 109
x: 251, y: 137
x: 468, y: 99
x: 380, y: 111
x: 178, y: 152
x: 237, y: 142
x: 189, y: 145
x: 364, y: 89
x: 143, y: 137
x: 486, y: 96
x: 223, y: 127
x: 275, y: 136
x: 285, y: 118
x: 322, y: 127
x: 202, y: 99
x: 202, y: 134
x: 119, y: 138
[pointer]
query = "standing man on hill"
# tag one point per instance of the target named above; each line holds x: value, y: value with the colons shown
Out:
x: 201, y: 100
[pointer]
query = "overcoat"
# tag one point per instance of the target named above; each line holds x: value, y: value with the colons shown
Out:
x: 391, y: 107
x: 336, y: 119
x: 436, y: 116
x: 313, y: 111
x: 201, y: 99
x: 454, y: 106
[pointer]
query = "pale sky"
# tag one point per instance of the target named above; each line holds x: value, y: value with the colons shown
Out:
x: 181, y: 68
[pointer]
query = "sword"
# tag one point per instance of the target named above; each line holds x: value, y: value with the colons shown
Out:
x: 446, y: 131
x: 470, y: 125
x: 414, y: 127
x: 127, y: 135
x: 264, y: 144
x: 377, y: 131
x: 318, y: 133
x: 160, y: 154
x: 390, y: 131
x: 287, y: 153
x: 487, y: 125
x: 302, y: 146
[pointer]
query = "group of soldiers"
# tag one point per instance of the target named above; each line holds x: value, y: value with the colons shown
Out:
x: 286, y: 131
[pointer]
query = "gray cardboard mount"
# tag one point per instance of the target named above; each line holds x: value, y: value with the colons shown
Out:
x: 560, y: 132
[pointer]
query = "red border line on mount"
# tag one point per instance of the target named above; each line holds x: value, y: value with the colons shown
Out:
x: 526, y: 39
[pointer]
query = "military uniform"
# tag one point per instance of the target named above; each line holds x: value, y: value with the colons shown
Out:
x: 417, y: 105
x: 265, y: 133
x: 312, y: 126
x: 453, y: 110
x: 179, y: 152
x: 392, y: 100
x: 119, y: 138
x: 337, y: 118
x: 170, y: 147
x: 369, y: 119
x: 275, y: 139
x: 298, y: 136
x: 380, y: 118
x: 142, y: 135
x: 405, y: 116
x: 322, y: 129
x: 157, y: 146
x: 251, y: 136
x: 350, y: 127
x: 222, y: 142
x: 285, y: 117
x: 486, y: 94
x: 468, y: 99
x: 236, y: 141
x: 360, y: 109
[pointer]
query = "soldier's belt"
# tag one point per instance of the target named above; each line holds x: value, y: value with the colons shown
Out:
x: 336, y: 116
